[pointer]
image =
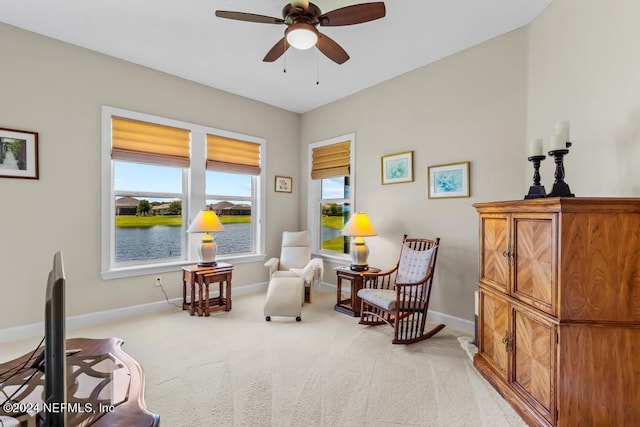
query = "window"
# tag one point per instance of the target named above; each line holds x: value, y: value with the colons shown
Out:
x: 157, y: 175
x: 232, y: 166
x: 331, y: 194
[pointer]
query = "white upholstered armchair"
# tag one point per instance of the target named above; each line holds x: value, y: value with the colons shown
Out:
x: 295, y: 261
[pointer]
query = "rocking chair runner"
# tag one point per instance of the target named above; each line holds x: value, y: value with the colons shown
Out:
x: 399, y: 297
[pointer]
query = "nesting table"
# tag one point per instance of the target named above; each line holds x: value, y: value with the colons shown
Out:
x: 198, y: 301
x: 351, y: 304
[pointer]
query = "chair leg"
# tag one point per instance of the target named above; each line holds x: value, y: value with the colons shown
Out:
x: 421, y: 337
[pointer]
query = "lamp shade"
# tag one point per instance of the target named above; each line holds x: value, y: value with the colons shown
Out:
x: 359, y: 226
x: 302, y: 35
x: 205, y: 222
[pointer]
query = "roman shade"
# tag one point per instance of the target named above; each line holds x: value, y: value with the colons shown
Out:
x: 331, y: 161
x: 143, y: 142
x: 232, y: 155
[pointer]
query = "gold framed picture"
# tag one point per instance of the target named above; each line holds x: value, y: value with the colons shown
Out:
x: 283, y: 184
x: 397, y: 168
x: 450, y: 180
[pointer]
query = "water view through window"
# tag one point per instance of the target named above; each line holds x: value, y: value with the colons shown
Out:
x: 334, y: 211
x: 150, y: 229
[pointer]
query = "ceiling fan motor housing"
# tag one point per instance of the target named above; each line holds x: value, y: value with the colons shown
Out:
x: 295, y: 14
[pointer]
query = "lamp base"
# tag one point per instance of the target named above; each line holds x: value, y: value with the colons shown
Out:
x: 359, y: 254
x: 207, y: 264
x: 207, y: 251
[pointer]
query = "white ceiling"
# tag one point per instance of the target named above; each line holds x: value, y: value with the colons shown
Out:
x: 186, y: 39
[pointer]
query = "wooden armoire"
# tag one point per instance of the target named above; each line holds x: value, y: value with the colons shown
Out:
x: 559, y: 308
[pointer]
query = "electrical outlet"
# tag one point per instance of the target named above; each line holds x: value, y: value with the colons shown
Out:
x: 158, y: 281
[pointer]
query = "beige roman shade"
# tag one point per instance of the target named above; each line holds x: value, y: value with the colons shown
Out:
x: 232, y: 155
x: 143, y: 142
x: 331, y: 161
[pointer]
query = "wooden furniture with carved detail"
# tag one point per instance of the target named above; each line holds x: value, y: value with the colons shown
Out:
x: 105, y: 386
x: 559, y: 308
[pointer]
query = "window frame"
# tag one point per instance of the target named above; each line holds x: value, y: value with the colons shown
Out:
x: 193, y: 198
x: 314, y: 199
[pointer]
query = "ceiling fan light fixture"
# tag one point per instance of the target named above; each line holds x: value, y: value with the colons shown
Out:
x: 302, y: 36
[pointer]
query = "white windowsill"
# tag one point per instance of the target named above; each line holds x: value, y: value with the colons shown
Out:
x: 144, y: 270
x: 336, y: 259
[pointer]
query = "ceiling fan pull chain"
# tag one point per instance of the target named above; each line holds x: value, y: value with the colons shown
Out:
x: 284, y: 57
x: 317, y: 66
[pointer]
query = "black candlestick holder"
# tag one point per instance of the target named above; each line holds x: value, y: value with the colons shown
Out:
x: 560, y: 188
x: 537, y: 190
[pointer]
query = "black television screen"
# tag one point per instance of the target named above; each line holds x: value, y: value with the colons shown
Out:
x: 55, y: 369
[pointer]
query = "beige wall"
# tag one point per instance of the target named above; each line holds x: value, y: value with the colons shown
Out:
x: 57, y: 90
x: 584, y: 66
x: 577, y: 61
x: 467, y: 107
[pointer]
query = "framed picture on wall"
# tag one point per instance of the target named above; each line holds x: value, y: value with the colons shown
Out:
x: 450, y: 180
x: 284, y: 184
x: 397, y: 168
x: 18, y: 154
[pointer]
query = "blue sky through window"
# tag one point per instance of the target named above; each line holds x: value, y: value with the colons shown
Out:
x: 333, y: 188
x: 165, y: 179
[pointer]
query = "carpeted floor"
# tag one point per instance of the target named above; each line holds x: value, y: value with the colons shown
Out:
x: 235, y: 369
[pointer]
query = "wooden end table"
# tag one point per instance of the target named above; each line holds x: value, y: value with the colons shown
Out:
x: 202, y: 277
x: 350, y: 305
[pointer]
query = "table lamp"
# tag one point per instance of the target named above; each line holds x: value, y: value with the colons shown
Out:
x: 206, y: 222
x: 358, y: 227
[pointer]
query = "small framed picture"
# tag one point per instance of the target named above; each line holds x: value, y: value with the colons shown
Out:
x: 18, y: 154
x: 450, y: 180
x: 284, y: 184
x: 397, y: 168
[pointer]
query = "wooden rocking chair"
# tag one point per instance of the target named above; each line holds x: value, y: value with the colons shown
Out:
x: 399, y: 297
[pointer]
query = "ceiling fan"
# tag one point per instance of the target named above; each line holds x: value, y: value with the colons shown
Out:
x: 302, y: 18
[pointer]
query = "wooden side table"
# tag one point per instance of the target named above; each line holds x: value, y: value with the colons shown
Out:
x: 193, y: 276
x: 350, y: 305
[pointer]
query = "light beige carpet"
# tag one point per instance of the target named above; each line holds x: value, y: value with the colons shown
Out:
x: 235, y: 369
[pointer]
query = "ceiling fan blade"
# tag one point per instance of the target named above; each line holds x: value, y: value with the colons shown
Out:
x: 355, y: 14
x: 249, y: 17
x: 277, y: 50
x: 331, y: 49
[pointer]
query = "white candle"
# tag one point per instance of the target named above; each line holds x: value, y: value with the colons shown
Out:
x: 562, y: 129
x: 557, y: 142
x: 535, y: 147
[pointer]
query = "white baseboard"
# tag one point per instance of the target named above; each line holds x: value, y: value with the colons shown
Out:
x: 83, y: 320
x: 457, y: 323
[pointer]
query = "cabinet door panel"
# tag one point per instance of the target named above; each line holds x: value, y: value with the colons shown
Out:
x: 494, y: 240
x: 493, y: 321
x: 533, y: 369
x: 535, y: 265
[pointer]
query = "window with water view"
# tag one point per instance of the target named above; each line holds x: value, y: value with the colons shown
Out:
x: 331, y: 193
x: 148, y: 212
x: 161, y: 171
x: 334, y: 211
